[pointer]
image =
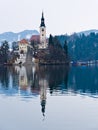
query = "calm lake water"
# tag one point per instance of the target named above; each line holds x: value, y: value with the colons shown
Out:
x: 49, y: 98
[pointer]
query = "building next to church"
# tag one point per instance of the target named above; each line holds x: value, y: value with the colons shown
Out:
x: 23, y: 48
x: 35, y: 38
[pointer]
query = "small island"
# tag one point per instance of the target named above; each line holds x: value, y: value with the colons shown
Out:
x: 38, y: 49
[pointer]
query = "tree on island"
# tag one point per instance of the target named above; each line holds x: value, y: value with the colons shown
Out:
x: 55, y: 53
x: 51, y: 42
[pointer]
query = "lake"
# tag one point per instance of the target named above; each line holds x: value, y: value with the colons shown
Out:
x: 49, y: 98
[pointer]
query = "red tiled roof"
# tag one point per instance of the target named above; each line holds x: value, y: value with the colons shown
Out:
x: 35, y: 38
x: 23, y: 41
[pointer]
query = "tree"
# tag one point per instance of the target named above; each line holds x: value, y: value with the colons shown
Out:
x: 57, y: 43
x: 54, y: 54
x: 4, y: 51
x: 15, y: 46
x: 65, y: 48
x: 51, y: 40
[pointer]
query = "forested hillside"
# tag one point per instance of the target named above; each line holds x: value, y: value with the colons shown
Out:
x: 81, y: 47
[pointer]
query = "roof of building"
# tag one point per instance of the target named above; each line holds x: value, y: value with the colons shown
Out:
x: 23, y: 41
x: 35, y: 38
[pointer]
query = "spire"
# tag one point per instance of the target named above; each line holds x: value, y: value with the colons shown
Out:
x: 42, y: 21
x: 43, y: 103
x: 42, y: 15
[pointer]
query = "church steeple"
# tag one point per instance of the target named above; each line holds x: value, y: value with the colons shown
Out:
x: 43, y: 43
x: 42, y: 21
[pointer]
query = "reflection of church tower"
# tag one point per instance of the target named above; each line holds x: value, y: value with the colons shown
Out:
x: 43, y: 103
x: 43, y: 92
x: 43, y: 43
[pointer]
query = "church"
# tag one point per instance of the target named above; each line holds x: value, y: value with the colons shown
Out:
x: 39, y: 39
x: 43, y: 43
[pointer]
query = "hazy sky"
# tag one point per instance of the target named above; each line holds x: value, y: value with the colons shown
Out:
x: 61, y: 16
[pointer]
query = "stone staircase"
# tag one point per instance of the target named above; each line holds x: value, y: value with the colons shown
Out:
x: 29, y: 57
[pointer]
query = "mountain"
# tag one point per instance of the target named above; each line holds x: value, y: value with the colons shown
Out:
x: 11, y: 36
x: 87, y: 32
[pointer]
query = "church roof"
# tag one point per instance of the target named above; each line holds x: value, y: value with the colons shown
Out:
x: 23, y: 41
x: 35, y: 38
x: 42, y: 21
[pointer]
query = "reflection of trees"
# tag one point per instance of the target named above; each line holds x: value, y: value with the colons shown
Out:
x: 58, y: 77
x: 52, y: 77
x: 4, y: 77
x: 37, y: 78
x: 15, y: 77
x: 84, y: 79
x: 79, y: 79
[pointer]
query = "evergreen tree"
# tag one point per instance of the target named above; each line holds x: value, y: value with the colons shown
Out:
x: 15, y: 46
x: 65, y: 48
x: 4, y: 51
x: 51, y: 40
x: 57, y: 43
x: 55, y: 52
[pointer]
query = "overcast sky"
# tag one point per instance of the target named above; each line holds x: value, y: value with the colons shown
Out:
x: 61, y: 16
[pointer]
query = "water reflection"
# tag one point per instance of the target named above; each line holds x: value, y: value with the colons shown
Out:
x: 38, y: 80
x: 34, y: 81
x: 84, y: 80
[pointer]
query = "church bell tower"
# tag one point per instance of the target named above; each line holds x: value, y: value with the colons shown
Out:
x: 43, y: 43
